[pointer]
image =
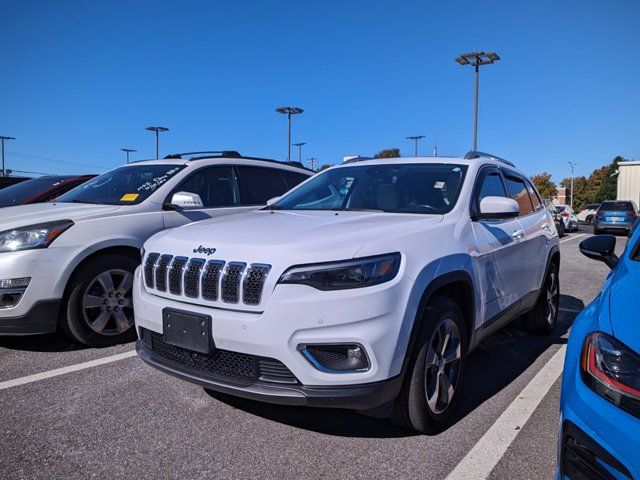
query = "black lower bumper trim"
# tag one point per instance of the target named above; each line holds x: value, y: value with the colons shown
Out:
x: 357, y: 397
x: 581, y: 458
x: 42, y: 318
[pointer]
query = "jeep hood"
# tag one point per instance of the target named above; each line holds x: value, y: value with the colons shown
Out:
x: 293, y: 236
x: 23, y: 215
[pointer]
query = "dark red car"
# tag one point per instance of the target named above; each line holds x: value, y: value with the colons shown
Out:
x: 41, y: 189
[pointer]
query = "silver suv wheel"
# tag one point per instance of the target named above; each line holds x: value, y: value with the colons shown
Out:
x: 106, y: 303
x: 442, y: 366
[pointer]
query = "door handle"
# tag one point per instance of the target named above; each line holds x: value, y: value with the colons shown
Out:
x: 518, y: 234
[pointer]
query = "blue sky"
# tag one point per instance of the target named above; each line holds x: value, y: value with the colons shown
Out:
x: 82, y: 79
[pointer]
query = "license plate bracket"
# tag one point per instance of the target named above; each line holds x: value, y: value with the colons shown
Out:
x: 188, y: 330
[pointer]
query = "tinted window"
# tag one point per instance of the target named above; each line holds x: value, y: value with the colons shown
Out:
x: 128, y: 185
x: 518, y: 191
x: 491, y: 187
x: 215, y: 185
x: 294, y: 178
x: 257, y: 185
x: 617, y: 206
x: 23, y: 191
x: 535, y: 198
x: 397, y: 188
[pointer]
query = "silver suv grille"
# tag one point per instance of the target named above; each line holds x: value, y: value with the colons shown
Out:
x: 211, y: 280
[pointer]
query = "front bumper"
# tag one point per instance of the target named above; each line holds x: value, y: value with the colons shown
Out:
x: 357, y: 397
x: 42, y: 317
x: 297, y: 315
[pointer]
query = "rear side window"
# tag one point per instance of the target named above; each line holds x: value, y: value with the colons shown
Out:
x: 618, y: 206
x: 257, y: 185
x: 518, y: 191
x: 294, y: 178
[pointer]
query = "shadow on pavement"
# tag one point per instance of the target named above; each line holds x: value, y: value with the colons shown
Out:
x: 52, y: 342
x: 494, y: 365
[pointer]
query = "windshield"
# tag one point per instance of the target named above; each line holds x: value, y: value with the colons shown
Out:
x: 23, y: 191
x: 402, y: 188
x: 128, y: 185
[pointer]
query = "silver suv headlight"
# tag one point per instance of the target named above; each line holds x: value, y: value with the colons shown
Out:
x: 32, y: 236
x: 356, y: 273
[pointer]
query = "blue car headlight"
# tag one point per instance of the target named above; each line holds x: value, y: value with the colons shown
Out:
x: 612, y: 370
x: 356, y: 273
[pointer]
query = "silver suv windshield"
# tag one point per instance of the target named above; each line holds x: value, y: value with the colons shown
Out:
x: 127, y: 185
x: 427, y: 188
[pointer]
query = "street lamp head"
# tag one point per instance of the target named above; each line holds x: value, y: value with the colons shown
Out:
x: 289, y: 110
x: 128, y: 150
x: 299, y: 144
x: 2, y: 137
x: 157, y: 129
x: 477, y: 58
x: 415, y: 137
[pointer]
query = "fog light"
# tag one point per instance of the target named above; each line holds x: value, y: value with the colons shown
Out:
x: 334, y: 358
x: 12, y: 283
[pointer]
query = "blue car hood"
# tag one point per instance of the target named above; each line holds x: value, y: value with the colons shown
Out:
x: 624, y: 303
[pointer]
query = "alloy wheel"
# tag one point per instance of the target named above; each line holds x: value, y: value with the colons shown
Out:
x: 442, y: 366
x: 552, y: 298
x: 107, y: 305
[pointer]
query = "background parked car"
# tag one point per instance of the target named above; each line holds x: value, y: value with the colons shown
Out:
x: 41, y: 189
x: 600, y: 400
x: 568, y: 217
x: 557, y: 218
x: 615, y: 216
x: 8, y: 181
x: 588, y: 213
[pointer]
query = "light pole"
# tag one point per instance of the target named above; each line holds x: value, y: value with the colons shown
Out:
x: 572, y: 164
x: 415, y: 138
x: 157, y: 130
x: 288, y: 111
x: 477, y: 59
x: 3, y: 139
x: 299, y: 145
x: 128, y: 151
x: 312, y: 162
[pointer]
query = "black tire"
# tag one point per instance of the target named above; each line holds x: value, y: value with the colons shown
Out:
x: 597, y: 231
x: 590, y: 219
x: 412, y: 409
x: 85, y: 288
x: 561, y: 229
x: 543, y: 318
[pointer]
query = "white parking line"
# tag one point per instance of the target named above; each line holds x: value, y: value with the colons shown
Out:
x: 572, y: 238
x: 485, y: 454
x: 61, y: 371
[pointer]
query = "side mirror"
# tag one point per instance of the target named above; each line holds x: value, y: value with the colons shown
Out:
x: 601, y: 247
x: 496, y: 208
x: 185, y: 200
x: 273, y: 200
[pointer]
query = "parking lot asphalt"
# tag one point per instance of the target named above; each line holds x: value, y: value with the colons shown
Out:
x: 123, y: 419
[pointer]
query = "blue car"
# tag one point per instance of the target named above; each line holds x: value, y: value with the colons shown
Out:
x: 616, y: 216
x: 600, y: 402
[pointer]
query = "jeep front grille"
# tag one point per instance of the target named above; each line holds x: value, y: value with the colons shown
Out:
x: 211, y: 280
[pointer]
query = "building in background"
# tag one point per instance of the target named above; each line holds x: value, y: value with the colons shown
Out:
x: 629, y: 181
x: 562, y: 197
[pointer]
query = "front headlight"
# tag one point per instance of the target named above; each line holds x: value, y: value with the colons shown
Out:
x: 612, y: 370
x: 32, y: 236
x: 357, y: 273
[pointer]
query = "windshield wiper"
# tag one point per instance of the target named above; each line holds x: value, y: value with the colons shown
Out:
x: 273, y: 206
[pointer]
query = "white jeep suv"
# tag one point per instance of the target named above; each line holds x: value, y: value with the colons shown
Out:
x: 70, y: 263
x: 365, y: 287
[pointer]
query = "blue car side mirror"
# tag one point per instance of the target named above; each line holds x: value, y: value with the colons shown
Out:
x: 601, y: 247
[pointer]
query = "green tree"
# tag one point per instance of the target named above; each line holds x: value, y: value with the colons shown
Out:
x: 581, y: 194
x: 325, y: 166
x: 545, y: 186
x: 388, y: 153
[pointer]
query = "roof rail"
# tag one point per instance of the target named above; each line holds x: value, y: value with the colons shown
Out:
x: 208, y: 153
x: 471, y: 154
x: 356, y: 159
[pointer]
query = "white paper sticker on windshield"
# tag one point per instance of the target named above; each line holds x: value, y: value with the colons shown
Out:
x: 439, y: 185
